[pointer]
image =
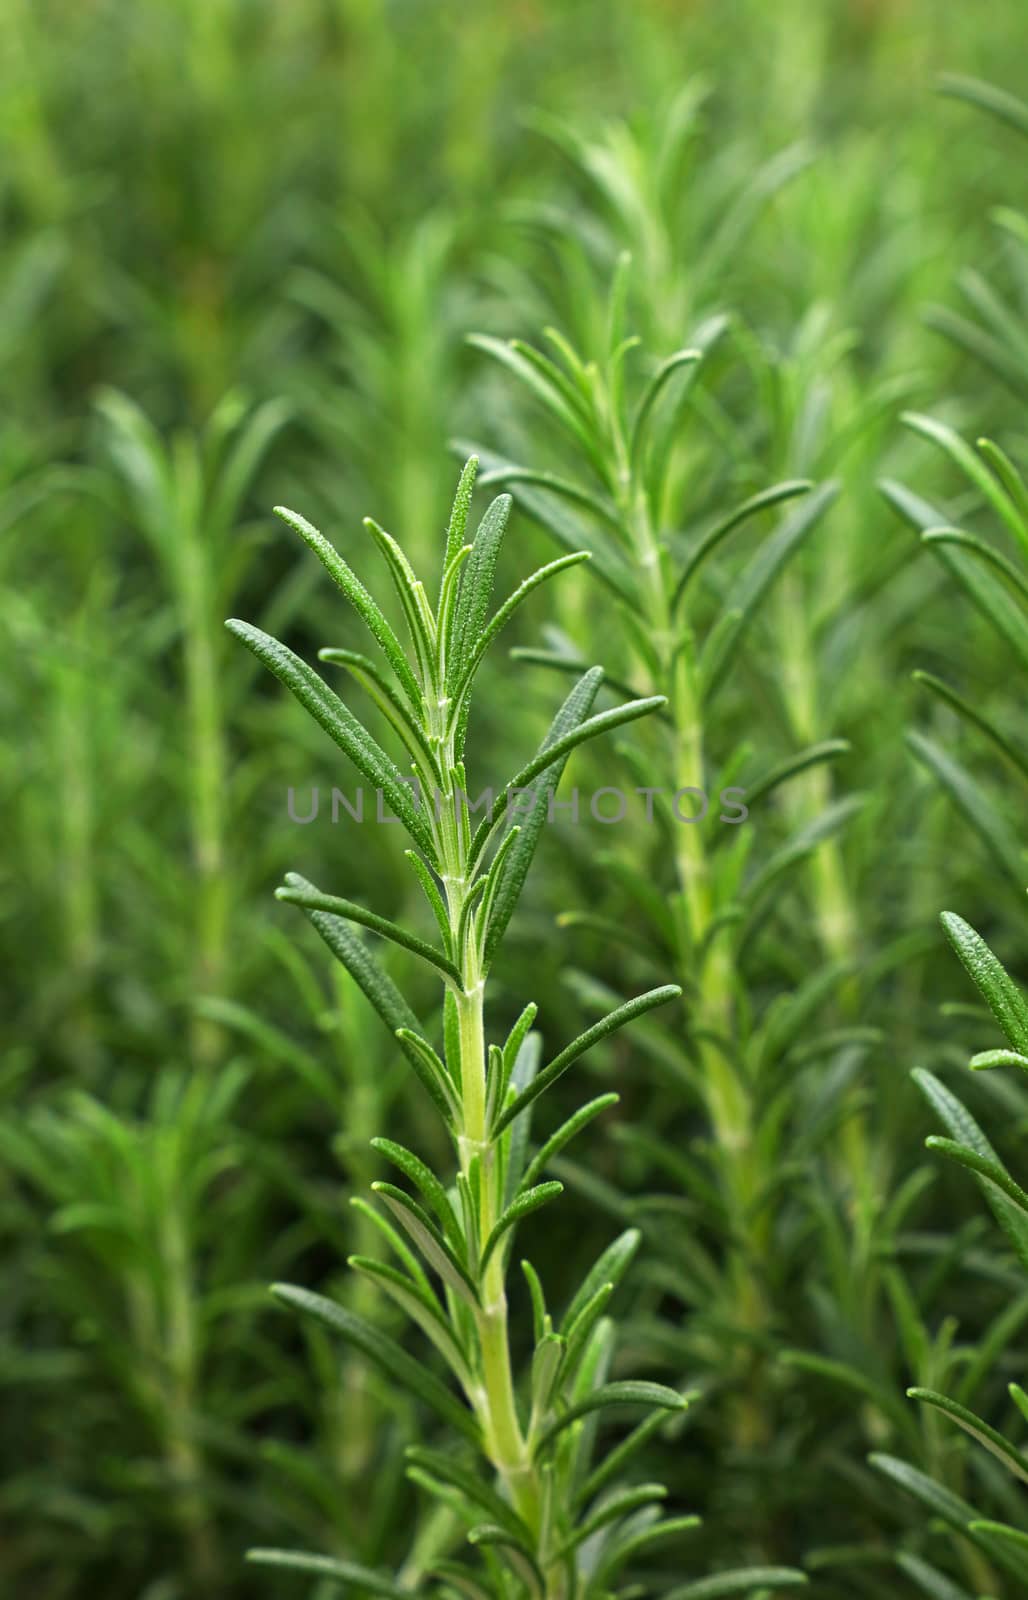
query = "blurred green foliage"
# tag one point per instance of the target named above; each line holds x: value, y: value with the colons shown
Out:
x: 242, y: 247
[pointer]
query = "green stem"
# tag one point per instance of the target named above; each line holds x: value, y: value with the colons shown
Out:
x: 183, y: 1454
x: 712, y: 977
x: 504, y: 1441
x: 808, y: 797
x: 77, y: 880
x: 207, y: 794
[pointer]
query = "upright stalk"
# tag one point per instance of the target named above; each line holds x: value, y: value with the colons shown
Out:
x: 706, y: 968
x: 539, y: 1507
x: 629, y: 449
x: 208, y: 785
x: 480, y: 1167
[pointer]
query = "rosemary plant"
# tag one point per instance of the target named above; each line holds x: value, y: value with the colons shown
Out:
x: 993, y: 580
x: 996, y: 587
x: 991, y: 1544
x: 183, y: 496
x: 553, y: 1524
x: 626, y: 440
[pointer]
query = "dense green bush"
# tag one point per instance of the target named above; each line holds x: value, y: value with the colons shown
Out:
x: 733, y: 299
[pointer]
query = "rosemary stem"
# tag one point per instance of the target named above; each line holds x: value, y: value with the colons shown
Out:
x: 205, y: 733
x: 504, y: 1440
x: 708, y: 965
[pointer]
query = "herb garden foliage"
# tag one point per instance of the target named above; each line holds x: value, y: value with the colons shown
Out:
x: 993, y: 578
x: 551, y: 1501
x: 731, y: 300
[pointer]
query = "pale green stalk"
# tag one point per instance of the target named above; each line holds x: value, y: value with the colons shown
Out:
x: 472, y: 882
x: 728, y: 1104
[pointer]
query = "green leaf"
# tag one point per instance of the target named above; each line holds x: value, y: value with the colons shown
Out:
x: 992, y: 352
x: 425, y: 1180
x: 610, y: 1267
x: 571, y: 715
x: 1012, y: 1458
x: 631, y: 1544
x: 566, y: 1132
x: 514, y: 1040
x: 540, y: 1320
x: 987, y: 97
x: 448, y: 602
x: 991, y: 1348
x: 488, y: 886
x: 972, y: 715
x: 1001, y: 1530
x: 942, y: 1503
x: 460, y: 1579
x: 515, y: 1145
x: 966, y: 1131
x: 564, y: 488
x: 527, y: 1201
x: 726, y: 525
x: 994, y: 1171
x: 934, y: 1584
x: 570, y: 532
x: 574, y: 665
x: 547, y: 383
x: 380, y: 990
x: 518, y: 1556
x: 617, y: 1506
x: 501, y: 617
x: 998, y: 1058
x: 577, y: 1332
x: 544, y: 758
x: 349, y: 911
x: 1007, y: 473
x: 429, y: 1066
x: 739, y: 218
x: 421, y: 1305
x: 973, y: 469
x: 425, y: 877
x: 359, y: 598
x: 389, y: 703
x: 792, y: 766
x: 1002, y: 320
x: 394, y: 1239
x: 340, y: 723
x: 628, y: 1392
x: 139, y: 454
x: 360, y: 1577
x: 614, y: 1463
x: 745, y: 599
x: 546, y: 1359
x: 976, y: 807
x: 744, y: 1580
x: 435, y: 1249
x: 384, y: 1353
x: 560, y: 1063
x: 992, y: 598
x: 574, y: 1448
x: 470, y: 1483
x: 476, y: 589
x: 458, y: 523
x: 850, y: 1377
x: 984, y: 552
x: 412, y: 597
x: 241, y: 465
x: 915, y: 511
x: 652, y: 393
x: 1002, y: 996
